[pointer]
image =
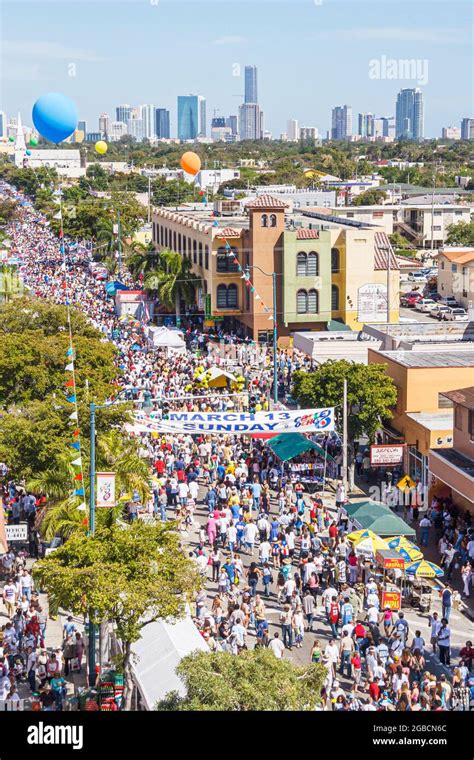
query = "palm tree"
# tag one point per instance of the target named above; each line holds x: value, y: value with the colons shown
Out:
x: 143, y: 258
x: 10, y: 283
x: 173, y: 280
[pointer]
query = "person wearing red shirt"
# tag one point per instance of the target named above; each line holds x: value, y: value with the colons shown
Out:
x: 374, y: 690
x: 333, y: 532
x: 160, y: 467
x: 467, y: 654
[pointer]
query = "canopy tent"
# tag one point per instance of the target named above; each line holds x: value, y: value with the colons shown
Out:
x: 162, y: 337
x: 289, y: 445
x: 385, y: 525
x: 423, y: 569
x: 160, y: 649
x: 112, y: 287
x: 218, y: 378
x: 372, y: 508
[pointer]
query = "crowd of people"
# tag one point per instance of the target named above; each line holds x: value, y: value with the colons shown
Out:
x: 271, y: 556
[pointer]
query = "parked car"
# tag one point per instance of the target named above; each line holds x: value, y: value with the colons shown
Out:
x: 410, y: 299
x: 450, y: 301
x: 439, y: 309
x: 425, y: 305
x: 417, y: 277
x: 455, y: 315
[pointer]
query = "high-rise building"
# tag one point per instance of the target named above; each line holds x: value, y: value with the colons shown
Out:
x: 82, y: 127
x: 388, y: 126
x: 147, y: 114
x: 467, y: 129
x: 232, y: 122
x: 93, y: 137
x: 191, y: 117
x: 3, y: 124
x: 117, y: 130
x: 220, y: 132
x: 292, y: 133
x: 308, y: 134
x: 341, y: 123
x: 366, y: 125
x: 250, y: 93
x: 162, y: 123
x: 136, y: 128
x: 451, y: 133
x: 410, y: 115
x: 104, y: 125
x: 123, y: 113
x: 250, y: 122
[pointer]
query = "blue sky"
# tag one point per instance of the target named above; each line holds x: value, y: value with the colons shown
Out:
x: 310, y: 56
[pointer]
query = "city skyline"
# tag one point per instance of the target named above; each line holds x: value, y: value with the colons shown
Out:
x: 205, y: 59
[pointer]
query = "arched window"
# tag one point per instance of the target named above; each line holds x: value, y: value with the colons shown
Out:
x: 301, y: 264
x: 227, y: 296
x: 225, y: 262
x: 335, y: 260
x: 313, y: 305
x: 221, y: 296
x: 264, y: 220
x: 334, y: 298
x: 185, y: 251
x: 302, y: 302
x: 273, y: 220
x: 312, y: 267
x: 232, y: 296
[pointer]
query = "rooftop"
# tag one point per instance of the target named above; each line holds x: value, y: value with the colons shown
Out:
x: 383, y: 248
x: 433, y: 421
x: 457, y: 459
x: 421, y: 360
x: 458, y: 256
x: 266, y: 202
x: 463, y: 396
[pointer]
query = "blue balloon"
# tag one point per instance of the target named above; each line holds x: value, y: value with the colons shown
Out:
x: 28, y: 152
x: 55, y: 116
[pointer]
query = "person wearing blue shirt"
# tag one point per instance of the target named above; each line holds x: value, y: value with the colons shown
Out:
x: 256, y: 491
x: 240, y: 525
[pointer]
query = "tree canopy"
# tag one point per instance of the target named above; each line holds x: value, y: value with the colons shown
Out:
x: 253, y: 680
x: 461, y: 233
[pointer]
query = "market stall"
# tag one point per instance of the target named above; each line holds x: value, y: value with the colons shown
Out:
x: 305, y: 460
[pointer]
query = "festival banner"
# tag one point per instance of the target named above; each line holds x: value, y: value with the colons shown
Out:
x: 294, y: 421
x: 105, y: 489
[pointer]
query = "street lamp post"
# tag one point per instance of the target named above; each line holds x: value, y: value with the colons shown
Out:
x: 273, y: 275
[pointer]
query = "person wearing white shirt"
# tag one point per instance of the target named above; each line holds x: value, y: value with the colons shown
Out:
x: 277, y: 646
x: 264, y: 552
x: 250, y: 533
x: 331, y: 655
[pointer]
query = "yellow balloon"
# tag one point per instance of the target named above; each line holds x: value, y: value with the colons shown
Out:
x: 101, y: 147
x: 190, y: 162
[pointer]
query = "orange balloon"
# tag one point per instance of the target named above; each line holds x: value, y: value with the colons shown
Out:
x: 190, y: 162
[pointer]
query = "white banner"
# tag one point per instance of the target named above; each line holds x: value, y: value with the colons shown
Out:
x: 16, y: 532
x: 385, y: 454
x: 105, y: 489
x: 295, y: 421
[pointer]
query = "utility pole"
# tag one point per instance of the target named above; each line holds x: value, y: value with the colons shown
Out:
x: 92, y: 627
x: 344, y: 437
x: 388, y: 285
x: 275, y: 340
x: 119, y: 241
x: 149, y: 199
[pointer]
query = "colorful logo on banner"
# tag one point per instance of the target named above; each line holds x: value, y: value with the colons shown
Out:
x: 105, y: 489
x: 296, y: 421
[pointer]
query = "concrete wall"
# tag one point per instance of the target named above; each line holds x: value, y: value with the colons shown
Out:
x: 293, y: 282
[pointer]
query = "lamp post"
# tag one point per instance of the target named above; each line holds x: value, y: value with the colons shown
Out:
x: 273, y: 275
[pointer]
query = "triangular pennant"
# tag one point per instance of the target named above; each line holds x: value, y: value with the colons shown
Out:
x: 73, y: 416
x: 78, y: 476
x: 79, y: 492
x: 69, y: 367
x: 82, y: 507
x: 77, y: 462
x: 69, y: 352
x: 76, y: 433
x: 76, y: 445
x: 71, y: 399
x: 270, y: 318
x: 257, y: 297
x: 69, y: 383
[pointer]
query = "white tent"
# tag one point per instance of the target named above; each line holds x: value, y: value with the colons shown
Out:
x: 160, y: 649
x: 162, y: 337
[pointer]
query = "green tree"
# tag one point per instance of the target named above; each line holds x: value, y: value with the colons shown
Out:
x: 173, y: 280
x: 45, y: 317
x: 10, y: 283
x: 130, y: 576
x: 461, y: 233
x: 255, y: 680
x: 372, y: 197
x: 142, y: 258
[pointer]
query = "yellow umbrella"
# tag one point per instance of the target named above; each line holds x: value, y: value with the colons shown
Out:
x: 366, y: 542
x: 409, y: 551
x: 424, y: 569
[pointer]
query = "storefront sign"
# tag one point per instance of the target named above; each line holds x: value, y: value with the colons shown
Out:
x: 295, y: 421
x: 105, y: 489
x: 372, y: 303
x: 207, y: 306
x: 386, y: 455
x: 16, y: 532
x: 390, y: 560
x: 392, y: 599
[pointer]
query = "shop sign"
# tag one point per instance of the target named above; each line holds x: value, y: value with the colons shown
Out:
x: 392, y: 599
x: 386, y: 454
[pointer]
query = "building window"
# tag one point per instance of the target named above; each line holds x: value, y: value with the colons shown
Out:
x: 313, y: 301
x: 227, y: 296
x: 437, y: 213
x: 458, y: 417
x: 437, y: 227
x: 179, y: 242
x: 465, y: 270
x: 301, y: 264
x: 335, y: 260
x: 226, y: 263
x: 302, y: 302
x: 471, y: 424
x: 194, y: 252
x: 334, y: 298
x: 264, y: 220
x: 307, y: 264
x: 166, y: 237
x: 454, y: 267
x: 185, y: 250
x: 443, y: 402
x: 442, y: 265
x: 175, y: 247
x: 189, y: 248
x: 206, y: 257
x: 247, y: 300
x: 200, y: 254
x: 273, y: 220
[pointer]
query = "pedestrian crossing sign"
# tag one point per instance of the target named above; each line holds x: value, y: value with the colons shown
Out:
x: 406, y: 484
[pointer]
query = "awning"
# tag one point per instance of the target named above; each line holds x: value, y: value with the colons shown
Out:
x: 385, y: 525
x: 160, y: 649
x: 335, y: 326
x: 112, y: 287
x: 287, y: 446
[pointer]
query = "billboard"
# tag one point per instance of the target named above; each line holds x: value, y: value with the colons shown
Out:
x: 386, y: 455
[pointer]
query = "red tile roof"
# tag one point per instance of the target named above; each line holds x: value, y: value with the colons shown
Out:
x: 382, y: 246
x: 266, y: 202
x: 305, y: 234
x: 228, y: 232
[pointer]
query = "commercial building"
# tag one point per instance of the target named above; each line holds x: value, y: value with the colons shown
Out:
x: 147, y: 114
x: 250, y: 122
x: 3, y: 124
x: 309, y: 134
x: 452, y: 470
x: 136, y: 129
x: 451, y: 133
x: 366, y: 125
x: 104, y: 125
x: 410, y: 115
x: 82, y: 127
x: 117, y: 130
x: 456, y: 275
x: 93, y: 137
x: 467, y: 129
x: 292, y: 131
x: 326, y: 270
x: 341, y: 123
x: 232, y: 122
x: 212, y: 179
x: 250, y: 85
x: 123, y: 113
x: 423, y: 417
x: 191, y: 117
x: 162, y: 123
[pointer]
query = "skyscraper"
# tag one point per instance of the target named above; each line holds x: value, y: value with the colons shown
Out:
x: 250, y: 121
x: 147, y: 114
x: 366, y: 125
x: 409, y: 115
x: 191, y: 117
x: 117, y: 130
x: 231, y: 122
x: 162, y: 123
x: 123, y: 113
x: 82, y: 127
x: 292, y: 131
x: 104, y: 125
x: 3, y: 124
x: 467, y: 129
x: 136, y: 128
x: 250, y: 94
x: 341, y: 123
